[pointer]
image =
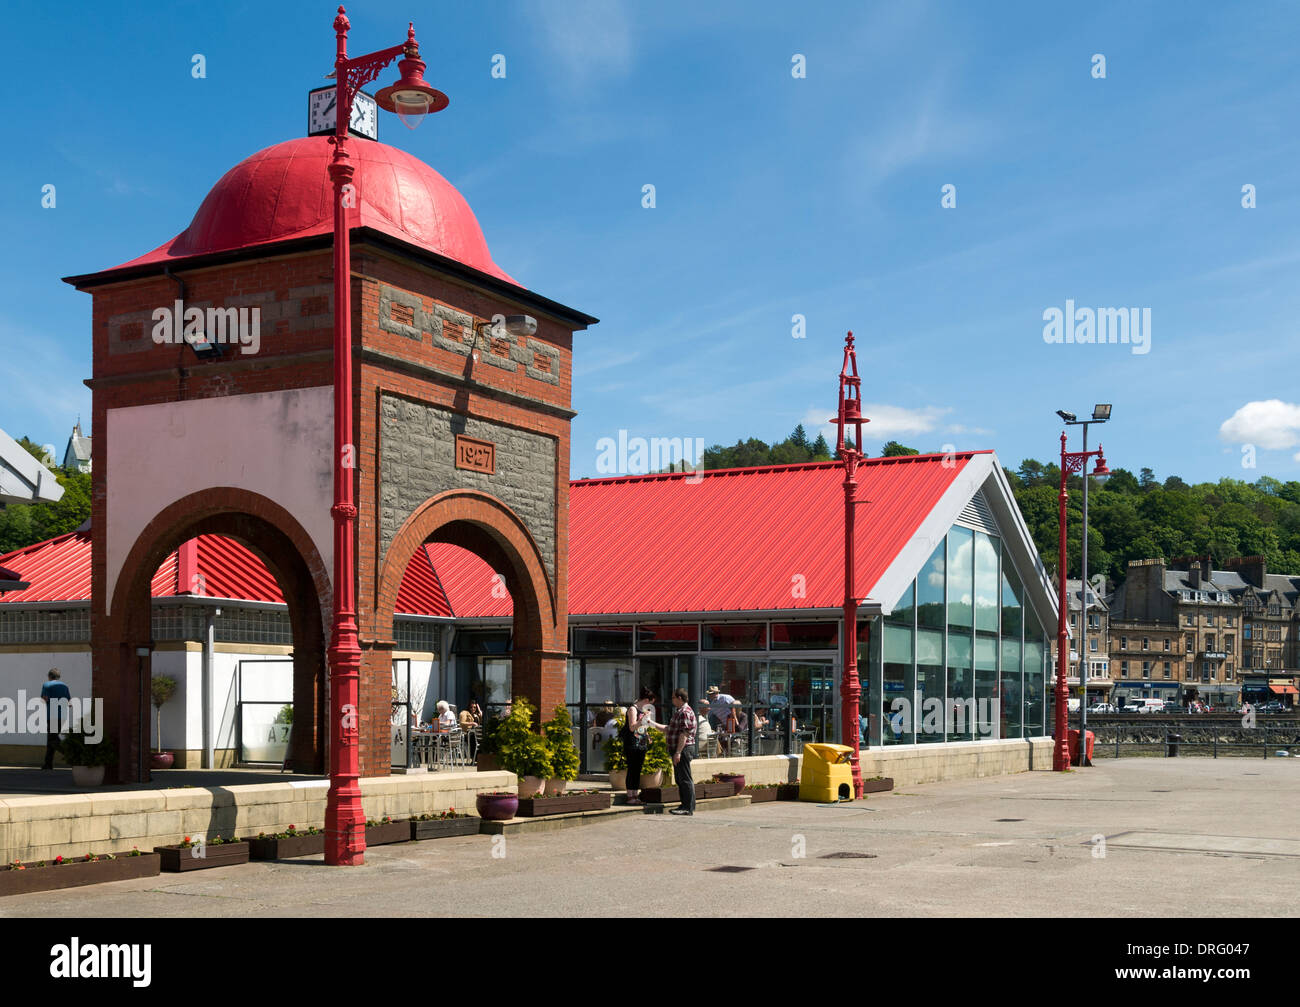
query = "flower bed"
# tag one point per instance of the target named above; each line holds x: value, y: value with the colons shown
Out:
x: 385, y: 831
x: 578, y: 800
x: 761, y: 793
x: 287, y: 844
x: 443, y: 824
x: 72, y: 872
x: 198, y: 855
x: 787, y: 791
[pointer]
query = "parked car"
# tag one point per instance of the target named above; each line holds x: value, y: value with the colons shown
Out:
x: 1103, y: 708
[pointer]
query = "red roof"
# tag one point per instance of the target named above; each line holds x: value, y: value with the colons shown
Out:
x: 733, y: 540
x: 59, y: 570
x: 285, y: 192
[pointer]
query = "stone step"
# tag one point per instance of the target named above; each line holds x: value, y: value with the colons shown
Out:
x: 554, y: 823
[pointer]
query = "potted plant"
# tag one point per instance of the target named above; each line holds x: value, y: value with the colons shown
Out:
x: 761, y: 792
x: 88, y: 760
x: 615, y: 760
x: 292, y: 842
x: 496, y: 805
x: 439, y: 824
x: 658, y: 766
x: 19, y: 878
x: 737, y: 780
x: 199, y: 854
x: 565, y: 761
x: 522, y: 751
x: 161, y: 689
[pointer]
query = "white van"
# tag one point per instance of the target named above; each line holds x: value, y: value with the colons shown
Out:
x: 1149, y: 706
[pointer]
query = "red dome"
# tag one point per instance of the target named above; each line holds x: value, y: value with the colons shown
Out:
x: 285, y: 192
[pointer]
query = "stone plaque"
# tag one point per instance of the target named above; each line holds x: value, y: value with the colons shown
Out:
x: 476, y: 455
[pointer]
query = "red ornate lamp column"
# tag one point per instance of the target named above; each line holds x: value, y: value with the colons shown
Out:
x: 411, y: 98
x: 1071, y: 461
x: 850, y: 414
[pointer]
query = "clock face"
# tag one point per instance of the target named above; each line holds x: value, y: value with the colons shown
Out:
x: 322, y: 117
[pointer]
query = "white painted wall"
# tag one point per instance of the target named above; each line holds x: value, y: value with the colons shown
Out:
x: 26, y: 673
x: 277, y: 444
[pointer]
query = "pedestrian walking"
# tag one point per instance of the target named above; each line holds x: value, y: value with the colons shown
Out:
x: 681, y: 743
x: 57, y: 697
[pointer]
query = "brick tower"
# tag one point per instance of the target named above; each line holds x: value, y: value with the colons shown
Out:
x: 213, y: 413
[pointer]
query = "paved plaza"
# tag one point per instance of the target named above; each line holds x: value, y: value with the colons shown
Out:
x: 1183, y: 838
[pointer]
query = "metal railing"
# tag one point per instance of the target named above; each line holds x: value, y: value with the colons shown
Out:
x: 1227, y: 738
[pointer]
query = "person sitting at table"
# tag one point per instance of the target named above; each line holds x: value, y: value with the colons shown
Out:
x: 733, y: 726
x: 703, y: 731
x: 446, y: 719
x: 760, y: 718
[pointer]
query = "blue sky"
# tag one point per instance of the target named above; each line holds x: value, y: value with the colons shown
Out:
x: 775, y: 196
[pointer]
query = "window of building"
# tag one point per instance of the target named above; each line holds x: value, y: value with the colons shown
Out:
x: 1209, y: 619
x: 736, y: 636
x: 1123, y: 645
x: 1146, y: 669
x: 1227, y: 643
x: 1092, y: 646
x: 1146, y: 645
x: 1123, y: 670
x: 1189, y: 619
x: 680, y: 639
x: 1074, y: 618
x: 1168, y: 672
x: 1166, y: 643
x: 1094, y: 620
x: 1191, y: 643
x: 805, y: 635
x: 1231, y: 620
x: 1245, y: 631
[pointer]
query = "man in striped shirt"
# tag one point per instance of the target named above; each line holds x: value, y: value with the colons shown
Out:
x: 680, y: 736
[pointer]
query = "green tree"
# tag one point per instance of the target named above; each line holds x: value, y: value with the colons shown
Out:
x: 893, y: 449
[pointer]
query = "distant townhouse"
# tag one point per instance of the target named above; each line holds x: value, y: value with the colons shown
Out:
x: 1182, y: 630
x: 1094, y: 637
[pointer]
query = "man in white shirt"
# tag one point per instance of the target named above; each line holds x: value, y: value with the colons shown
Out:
x: 720, y: 705
x: 703, y: 731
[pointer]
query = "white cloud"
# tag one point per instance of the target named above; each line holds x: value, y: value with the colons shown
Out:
x: 887, y: 422
x: 1268, y: 424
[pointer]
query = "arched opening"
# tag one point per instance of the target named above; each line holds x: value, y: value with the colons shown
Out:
x: 135, y: 638
x: 514, y: 575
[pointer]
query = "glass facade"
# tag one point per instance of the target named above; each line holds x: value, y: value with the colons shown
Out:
x: 960, y: 657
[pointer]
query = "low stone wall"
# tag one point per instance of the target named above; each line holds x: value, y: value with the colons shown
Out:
x: 46, y: 826
x: 906, y: 766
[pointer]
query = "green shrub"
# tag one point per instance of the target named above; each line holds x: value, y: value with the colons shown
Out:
x: 522, y: 751
x: 77, y: 752
x: 565, y: 761
x: 657, y: 757
x: 615, y: 758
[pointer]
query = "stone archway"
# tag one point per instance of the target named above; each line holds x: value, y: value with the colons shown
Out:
x: 122, y: 630
x: 484, y: 525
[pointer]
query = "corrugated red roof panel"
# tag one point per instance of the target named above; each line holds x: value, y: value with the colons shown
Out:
x: 731, y: 540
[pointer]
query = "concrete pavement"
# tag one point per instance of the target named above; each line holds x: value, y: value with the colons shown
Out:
x: 1224, y: 845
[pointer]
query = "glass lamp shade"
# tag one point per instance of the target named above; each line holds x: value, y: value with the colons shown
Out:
x: 411, y: 97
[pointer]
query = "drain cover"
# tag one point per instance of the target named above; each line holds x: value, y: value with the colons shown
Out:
x: 1008, y: 819
x: 847, y: 855
x: 729, y: 870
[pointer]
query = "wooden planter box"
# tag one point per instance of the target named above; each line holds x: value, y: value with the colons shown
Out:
x: 48, y: 879
x: 533, y: 807
x: 175, y: 859
x: 787, y: 791
x: 660, y: 795
x: 761, y: 795
x: 878, y: 786
x: 440, y: 828
x: 285, y: 849
x: 710, y: 789
x: 390, y: 832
